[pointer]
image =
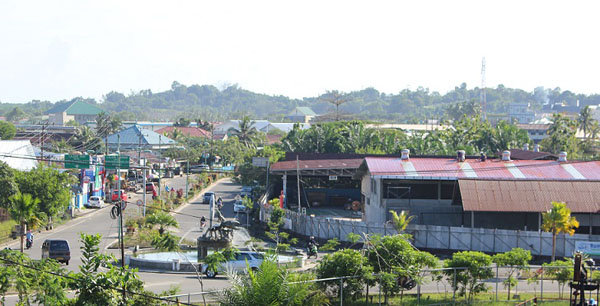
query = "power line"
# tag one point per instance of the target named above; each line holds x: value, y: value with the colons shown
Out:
x: 98, y: 284
x: 495, y: 168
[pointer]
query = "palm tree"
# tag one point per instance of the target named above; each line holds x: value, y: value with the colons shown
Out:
x: 585, y: 120
x: 176, y: 134
x: 163, y: 220
x: 85, y: 139
x: 400, y: 221
x: 559, y: 219
x: 23, y: 210
x: 246, y: 132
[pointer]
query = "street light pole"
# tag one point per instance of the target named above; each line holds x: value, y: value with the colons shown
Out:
x: 159, y: 163
x: 187, y: 177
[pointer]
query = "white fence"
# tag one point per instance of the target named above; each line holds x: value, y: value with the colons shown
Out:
x: 436, y: 237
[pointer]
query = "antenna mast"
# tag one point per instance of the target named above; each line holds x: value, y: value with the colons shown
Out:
x: 482, y: 97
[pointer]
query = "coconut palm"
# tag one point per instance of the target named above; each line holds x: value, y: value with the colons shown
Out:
x: 23, y: 209
x: 400, y: 221
x: 585, y: 120
x: 559, y: 219
x: 85, y: 139
x: 246, y: 132
x: 163, y: 220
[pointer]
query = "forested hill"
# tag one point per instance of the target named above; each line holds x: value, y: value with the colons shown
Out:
x: 210, y: 103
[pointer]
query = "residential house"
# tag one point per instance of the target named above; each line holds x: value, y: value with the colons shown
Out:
x: 301, y: 114
x: 137, y: 138
x: 76, y: 110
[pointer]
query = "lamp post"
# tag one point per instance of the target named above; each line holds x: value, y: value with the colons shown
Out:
x: 159, y: 163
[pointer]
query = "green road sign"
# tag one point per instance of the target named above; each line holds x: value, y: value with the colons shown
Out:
x: 77, y: 161
x: 113, y: 162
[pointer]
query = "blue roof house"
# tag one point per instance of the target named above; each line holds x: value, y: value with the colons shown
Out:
x: 136, y: 137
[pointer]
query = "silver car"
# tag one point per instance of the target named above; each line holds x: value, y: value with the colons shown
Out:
x: 238, y: 264
x: 96, y: 201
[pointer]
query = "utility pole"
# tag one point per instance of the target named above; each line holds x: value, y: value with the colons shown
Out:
x: 298, y: 180
x: 143, y: 171
x: 159, y: 162
x: 120, y: 201
x: 482, y: 95
x: 42, y: 146
x: 187, y: 177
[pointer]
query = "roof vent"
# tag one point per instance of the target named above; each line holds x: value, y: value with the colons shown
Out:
x: 562, y: 157
x: 460, y: 155
x: 536, y: 148
x: 405, y: 154
x: 526, y: 147
x: 506, y: 155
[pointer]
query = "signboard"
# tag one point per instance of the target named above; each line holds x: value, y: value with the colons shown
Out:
x: 77, y: 161
x: 591, y: 248
x: 97, y: 179
x: 139, y: 202
x: 113, y: 162
x: 333, y: 177
x: 260, y: 161
x: 86, y: 179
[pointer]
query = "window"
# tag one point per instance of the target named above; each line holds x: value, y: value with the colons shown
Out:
x: 448, y: 191
x: 403, y: 189
x: 257, y: 255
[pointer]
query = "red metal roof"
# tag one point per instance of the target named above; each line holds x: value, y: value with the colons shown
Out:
x: 529, y: 196
x: 290, y: 165
x: 490, y: 169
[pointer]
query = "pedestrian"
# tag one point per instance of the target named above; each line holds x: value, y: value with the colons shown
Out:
x: 154, y: 195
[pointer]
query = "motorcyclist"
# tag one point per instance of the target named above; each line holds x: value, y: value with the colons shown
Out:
x: 29, y: 237
x: 202, y: 222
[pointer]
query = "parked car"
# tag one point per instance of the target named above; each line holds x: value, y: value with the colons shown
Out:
x: 246, y: 192
x: 56, y: 249
x: 199, y: 168
x: 96, y: 201
x: 207, y: 196
x: 238, y: 206
x: 115, y: 195
x: 150, y: 187
x: 238, y: 264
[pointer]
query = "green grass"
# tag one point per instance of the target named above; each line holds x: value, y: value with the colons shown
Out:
x: 5, y: 229
x: 440, y: 298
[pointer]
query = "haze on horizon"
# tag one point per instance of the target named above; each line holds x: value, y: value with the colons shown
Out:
x: 59, y: 50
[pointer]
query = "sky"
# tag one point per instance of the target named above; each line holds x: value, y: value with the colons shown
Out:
x: 53, y: 50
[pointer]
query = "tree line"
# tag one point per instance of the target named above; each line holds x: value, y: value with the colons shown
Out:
x: 232, y: 102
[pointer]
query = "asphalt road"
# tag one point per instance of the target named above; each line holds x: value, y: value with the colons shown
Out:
x: 100, y: 222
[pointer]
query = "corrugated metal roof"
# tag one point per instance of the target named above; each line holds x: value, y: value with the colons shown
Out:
x: 317, y: 164
x: 24, y: 156
x: 76, y: 107
x: 490, y: 169
x: 132, y: 134
x: 529, y: 196
x: 185, y: 130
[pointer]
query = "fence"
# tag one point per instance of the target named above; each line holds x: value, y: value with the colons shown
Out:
x: 435, y: 287
x: 435, y: 237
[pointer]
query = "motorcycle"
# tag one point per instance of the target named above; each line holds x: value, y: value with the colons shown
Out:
x: 28, y: 243
x: 312, y: 251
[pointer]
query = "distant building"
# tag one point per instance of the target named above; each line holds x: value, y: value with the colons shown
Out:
x: 135, y: 137
x: 520, y: 113
x: 301, y: 114
x: 263, y: 126
x: 188, y: 131
x: 536, y: 132
x: 77, y: 110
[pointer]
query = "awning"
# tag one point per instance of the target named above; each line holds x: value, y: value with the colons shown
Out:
x: 529, y: 195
